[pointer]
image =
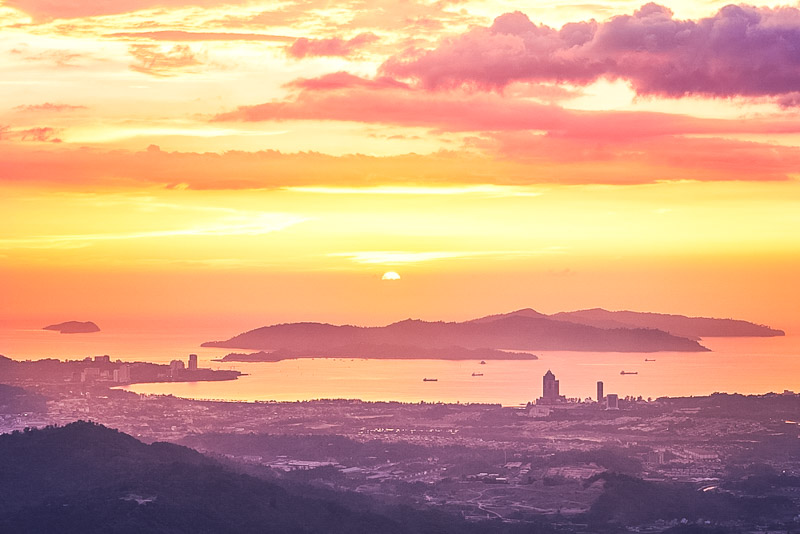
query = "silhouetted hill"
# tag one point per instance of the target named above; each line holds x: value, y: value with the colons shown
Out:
x: 74, y: 327
x: 679, y: 325
x: 525, y: 312
x: 86, y: 478
x: 528, y: 331
x: 632, y: 501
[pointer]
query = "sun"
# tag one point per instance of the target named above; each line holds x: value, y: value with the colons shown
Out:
x: 391, y: 275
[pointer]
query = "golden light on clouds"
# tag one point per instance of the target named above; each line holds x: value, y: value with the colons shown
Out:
x: 287, y: 152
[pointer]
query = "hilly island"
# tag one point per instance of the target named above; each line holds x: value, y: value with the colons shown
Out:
x: 490, y: 337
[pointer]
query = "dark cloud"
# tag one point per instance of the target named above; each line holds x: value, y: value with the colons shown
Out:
x: 740, y: 51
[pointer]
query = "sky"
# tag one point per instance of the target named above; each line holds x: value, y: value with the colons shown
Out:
x: 195, y: 163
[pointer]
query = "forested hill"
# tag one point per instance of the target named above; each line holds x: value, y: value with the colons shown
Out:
x: 85, y: 478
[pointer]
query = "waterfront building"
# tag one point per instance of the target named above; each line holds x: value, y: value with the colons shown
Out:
x: 193, y: 362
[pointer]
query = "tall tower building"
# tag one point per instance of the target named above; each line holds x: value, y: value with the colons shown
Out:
x: 193, y: 362
x: 550, y: 393
x: 600, y: 392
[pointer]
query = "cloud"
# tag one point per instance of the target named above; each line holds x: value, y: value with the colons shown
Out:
x: 514, y: 159
x: 645, y: 160
x: 157, y: 61
x: 396, y: 257
x: 179, y: 36
x: 344, y: 97
x: 345, y: 80
x: 333, y: 46
x: 243, y: 224
x: 69, y: 9
x: 40, y: 134
x: 740, y: 51
x: 48, y: 107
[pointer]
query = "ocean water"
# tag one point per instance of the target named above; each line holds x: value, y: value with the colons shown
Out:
x: 735, y: 365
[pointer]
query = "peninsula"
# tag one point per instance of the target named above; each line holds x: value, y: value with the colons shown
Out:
x: 384, y: 352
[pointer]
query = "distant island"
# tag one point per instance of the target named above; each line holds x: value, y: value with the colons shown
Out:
x: 387, y: 352
x: 595, y: 330
x: 74, y: 327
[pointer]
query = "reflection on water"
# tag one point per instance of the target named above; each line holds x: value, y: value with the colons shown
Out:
x: 741, y: 365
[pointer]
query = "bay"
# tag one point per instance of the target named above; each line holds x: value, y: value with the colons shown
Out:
x: 735, y: 365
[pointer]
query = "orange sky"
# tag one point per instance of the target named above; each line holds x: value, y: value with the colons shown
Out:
x: 182, y: 162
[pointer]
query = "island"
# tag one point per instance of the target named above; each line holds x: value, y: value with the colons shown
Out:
x: 74, y: 327
x: 524, y: 330
x: 490, y: 337
x: 380, y: 352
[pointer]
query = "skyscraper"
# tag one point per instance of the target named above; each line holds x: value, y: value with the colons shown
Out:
x: 550, y: 394
x: 612, y: 401
x: 600, y: 392
x: 193, y: 362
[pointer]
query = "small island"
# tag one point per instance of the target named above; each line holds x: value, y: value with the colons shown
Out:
x: 74, y: 327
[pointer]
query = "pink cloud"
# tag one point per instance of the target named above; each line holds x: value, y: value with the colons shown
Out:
x: 646, y: 159
x: 334, y: 46
x: 68, y: 9
x: 344, y: 97
x: 740, y: 51
x: 345, y: 80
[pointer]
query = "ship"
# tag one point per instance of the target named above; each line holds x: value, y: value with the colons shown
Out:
x: 483, y: 362
x: 648, y: 360
x: 430, y: 379
x: 477, y: 374
x: 629, y: 372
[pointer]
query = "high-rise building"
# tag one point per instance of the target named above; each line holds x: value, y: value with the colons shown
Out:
x: 550, y: 393
x: 176, y: 367
x: 600, y: 392
x: 122, y: 374
x: 193, y: 362
x: 612, y: 401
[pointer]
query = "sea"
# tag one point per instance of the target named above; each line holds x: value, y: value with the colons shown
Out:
x: 734, y: 365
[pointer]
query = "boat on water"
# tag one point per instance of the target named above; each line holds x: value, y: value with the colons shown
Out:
x: 648, y: 360
x: 477, y: 374
x: 483, y: 362
x: 430, y: 379
x: 629, y: 372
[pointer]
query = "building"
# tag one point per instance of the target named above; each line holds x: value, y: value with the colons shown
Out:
x: 193, y: 362
x: 550, y: 390
x: 600, y: 392
x: 122, y: 374
x: 90, y: 374
x: 102, y: 359
x: 176, y: 367
x: 612, y: 401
